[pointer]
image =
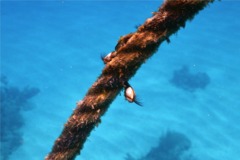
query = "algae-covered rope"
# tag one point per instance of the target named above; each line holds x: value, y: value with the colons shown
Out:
x: 130, y: 53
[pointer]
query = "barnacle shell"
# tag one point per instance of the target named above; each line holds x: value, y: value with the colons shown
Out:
x: 108, y: 57
x: 130, y: 94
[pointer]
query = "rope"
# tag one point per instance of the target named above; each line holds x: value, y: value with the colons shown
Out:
x: 130, y: 53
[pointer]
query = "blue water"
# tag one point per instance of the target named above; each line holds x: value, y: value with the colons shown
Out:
x: 55, y: 46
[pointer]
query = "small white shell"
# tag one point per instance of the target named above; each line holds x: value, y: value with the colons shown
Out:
x: 130, y: 94
x: 107, y: 58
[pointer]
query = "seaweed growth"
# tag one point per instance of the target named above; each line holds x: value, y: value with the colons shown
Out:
x: 13, y: 101
x: 188, y: 81
x: 172, y: 146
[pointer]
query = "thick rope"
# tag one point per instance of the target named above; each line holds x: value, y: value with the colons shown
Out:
x: 130, y: 53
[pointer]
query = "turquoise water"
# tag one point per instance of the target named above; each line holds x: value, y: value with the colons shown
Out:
x: 55, y: 47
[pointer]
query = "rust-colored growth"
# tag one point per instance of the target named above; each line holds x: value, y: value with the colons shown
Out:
x: 130, y: 53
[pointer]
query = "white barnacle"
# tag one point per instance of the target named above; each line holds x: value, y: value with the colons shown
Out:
x: 108, y: 57
x: 129, y: 94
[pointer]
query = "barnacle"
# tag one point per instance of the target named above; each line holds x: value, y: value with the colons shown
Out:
x: 130, y: 94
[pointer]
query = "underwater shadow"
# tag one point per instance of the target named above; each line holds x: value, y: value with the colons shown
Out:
x: 172, y: 146
x: 13, y: 101
x: 184, y: 79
